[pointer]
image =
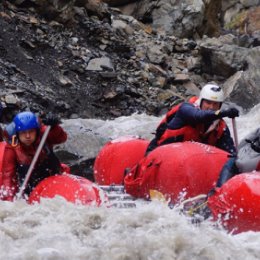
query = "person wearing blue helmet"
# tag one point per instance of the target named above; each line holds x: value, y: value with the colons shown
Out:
x: 29, y: 129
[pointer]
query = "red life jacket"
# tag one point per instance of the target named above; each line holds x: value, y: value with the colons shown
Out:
x: 2, y: 150
x: 162, y: 127
x: 187, y: 133
x: 8, y: 183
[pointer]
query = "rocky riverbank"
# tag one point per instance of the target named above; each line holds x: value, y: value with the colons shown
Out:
x: 85, y: 59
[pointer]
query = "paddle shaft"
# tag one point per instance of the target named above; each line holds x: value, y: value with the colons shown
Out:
x: 35, y: 158
x: 235, y: 132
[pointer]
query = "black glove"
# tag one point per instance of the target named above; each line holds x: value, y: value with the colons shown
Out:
x: 255, y: 144
x: 51, y: 119
x: 229, y: 112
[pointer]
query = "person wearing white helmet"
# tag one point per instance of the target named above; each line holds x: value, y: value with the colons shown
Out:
x: 200, y: 120
x: 213, y: 93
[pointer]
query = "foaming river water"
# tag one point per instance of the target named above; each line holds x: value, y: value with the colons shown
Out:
x: 56, y: 229
x: 60, y: 230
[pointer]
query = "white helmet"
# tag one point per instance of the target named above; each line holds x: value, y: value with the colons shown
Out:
x: 211, y: 92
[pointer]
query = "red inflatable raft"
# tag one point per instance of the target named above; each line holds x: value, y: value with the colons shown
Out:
x: 178, y: 171
x: 73, y: 188
x: 237, y: 203
x: 115, y: 157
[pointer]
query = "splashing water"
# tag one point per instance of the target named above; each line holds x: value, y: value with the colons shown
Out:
x: 59, y: 230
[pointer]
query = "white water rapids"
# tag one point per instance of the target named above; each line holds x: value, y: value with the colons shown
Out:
x: 57, y: 230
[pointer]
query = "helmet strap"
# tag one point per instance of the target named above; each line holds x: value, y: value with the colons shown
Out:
x: 15, y: 141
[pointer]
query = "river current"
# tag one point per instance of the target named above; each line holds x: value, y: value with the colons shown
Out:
x: 58, y: 230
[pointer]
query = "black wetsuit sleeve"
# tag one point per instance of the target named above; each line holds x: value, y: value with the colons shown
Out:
x: 188, y: 114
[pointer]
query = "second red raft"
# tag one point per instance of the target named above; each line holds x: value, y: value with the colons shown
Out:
x: 178, y: 171
x: 116, y: 156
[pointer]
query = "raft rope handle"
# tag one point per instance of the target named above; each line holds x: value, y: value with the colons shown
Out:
x: 192, y: 210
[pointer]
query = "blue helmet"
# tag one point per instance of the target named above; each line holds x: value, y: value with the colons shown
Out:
x: 26, y: 121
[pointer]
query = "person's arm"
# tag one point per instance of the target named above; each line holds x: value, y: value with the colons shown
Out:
x: 253, y: 140
x: 248, y: 165
x: 9, y: 179
x: 56, y: 135
x: 191, y: 115
x: 188, y: 114
x: 248, y: 159
x: 194, y: 115
x: 248, y: 152
x: 227, y: 172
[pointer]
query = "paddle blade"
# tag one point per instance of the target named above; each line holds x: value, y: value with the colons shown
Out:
x: 157, y: 195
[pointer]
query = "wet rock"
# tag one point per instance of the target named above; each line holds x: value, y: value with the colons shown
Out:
x: 99, y: 63
x: 118, y: 2
x: 222, y: 59
x: 181, y: 78
x: 11, y: 100
x: 64, y: 81
x: 122, y: 27
x: 249, y: 3
x: 118, y: 65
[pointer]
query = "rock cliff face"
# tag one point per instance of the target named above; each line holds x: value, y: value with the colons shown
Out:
x: 45, y: 63
x: 85, y: 59
x: 82, y: 58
